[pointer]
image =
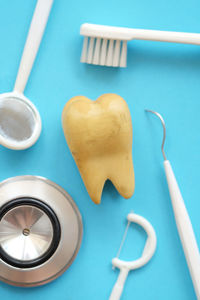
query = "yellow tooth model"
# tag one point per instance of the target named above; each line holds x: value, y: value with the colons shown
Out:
x: 99, y: 135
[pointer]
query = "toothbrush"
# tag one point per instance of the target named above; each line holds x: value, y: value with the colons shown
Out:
x: 107, y: 45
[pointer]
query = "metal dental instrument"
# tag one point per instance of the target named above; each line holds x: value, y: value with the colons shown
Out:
x: 40, y: 231
x: 183, y: 222
x: 126, y: 266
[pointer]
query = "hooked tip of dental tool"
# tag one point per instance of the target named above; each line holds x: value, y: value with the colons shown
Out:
x: 164, y: 130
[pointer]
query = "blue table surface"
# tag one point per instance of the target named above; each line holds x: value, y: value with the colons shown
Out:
x: 160, y: 76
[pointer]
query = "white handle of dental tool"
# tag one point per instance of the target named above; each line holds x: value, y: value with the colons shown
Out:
x: 185, y: 229
x: 127, y: 34
x: 37, y: 27
x: 167, y: 36
x: 119, y: 285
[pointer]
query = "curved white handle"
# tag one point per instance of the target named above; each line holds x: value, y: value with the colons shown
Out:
x: 149, y: 248
x: 119, y: 285
x: 185, y: 229
x: 35, y: 34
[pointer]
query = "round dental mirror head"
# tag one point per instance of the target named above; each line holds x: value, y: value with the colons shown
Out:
x: 20, y: 122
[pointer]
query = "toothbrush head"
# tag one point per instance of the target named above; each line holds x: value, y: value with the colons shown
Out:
x: 104, y: 45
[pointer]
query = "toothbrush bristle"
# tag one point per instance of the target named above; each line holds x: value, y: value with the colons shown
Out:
x: 116, y: 54
x: 109, y: 58
x: 90, y: 51
x: 84, y: 51
x: 123, y: 55
x: 96, y: 57
x: 104, y: 52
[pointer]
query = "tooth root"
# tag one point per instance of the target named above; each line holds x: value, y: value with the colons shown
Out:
x: 95, y: 174
x: 93, y: 179
x: 123, y: 177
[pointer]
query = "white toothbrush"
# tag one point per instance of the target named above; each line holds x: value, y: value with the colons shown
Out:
x: 107, y: 45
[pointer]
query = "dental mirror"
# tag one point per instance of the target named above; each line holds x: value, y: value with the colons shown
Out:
x: 20, y: 122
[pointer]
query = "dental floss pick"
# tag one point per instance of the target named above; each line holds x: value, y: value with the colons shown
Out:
x: 126, y: 266
x: 183, y: 222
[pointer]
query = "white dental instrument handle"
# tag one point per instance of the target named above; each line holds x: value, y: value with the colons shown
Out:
x: 119, y: 285
x: 185, y: 229
x: 166, y: 36
x: 127, y: 34
x: 38, y: 24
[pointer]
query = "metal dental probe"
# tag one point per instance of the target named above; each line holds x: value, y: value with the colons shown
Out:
x: 183, y: 222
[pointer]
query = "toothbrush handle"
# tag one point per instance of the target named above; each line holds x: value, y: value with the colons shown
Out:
x: 165, y: 36
x: 185, y: 229
x: 127, y: 34
x: 35, y: 34
x: 119, y: 285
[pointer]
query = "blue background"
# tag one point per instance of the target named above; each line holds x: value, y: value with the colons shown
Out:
x: 160, y: 76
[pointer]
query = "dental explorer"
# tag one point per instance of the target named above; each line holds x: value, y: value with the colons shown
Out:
x: 183, y: 222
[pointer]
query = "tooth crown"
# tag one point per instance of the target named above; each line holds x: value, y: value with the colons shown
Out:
x: 99, y: 135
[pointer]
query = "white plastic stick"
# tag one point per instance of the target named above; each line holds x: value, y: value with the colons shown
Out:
x: 167, y: 36
x: 35, y: 34
x: 185, y: 229
x: 127, y: 34
x: 119, y: 285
